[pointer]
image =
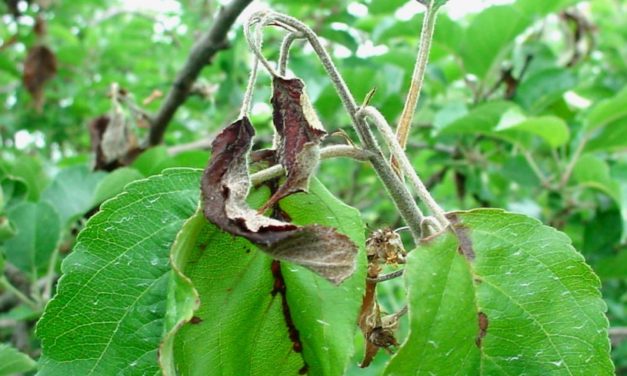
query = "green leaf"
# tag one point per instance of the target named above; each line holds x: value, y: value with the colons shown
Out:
x: 107, y: 316
x: 593, y: 172
x: 240, y: 318
x: 14, y: 362
x: 14, y: 190
x: 502, y: 295
x: 72, y: 191
x: 540, y: 90
x: 619, y: 173
x: 504, y: 120
x: 607, y: 111
x: 610, y: 138
x: 489, y: 38
x: 553, y: 130
x: 385, y: 6
x: 157, y: 159
x: 114, y: 183
x: 37, y: 232
x: 7, y: 230
x: 481, y: 120
x: 30, y: 171
x: 148, y: 162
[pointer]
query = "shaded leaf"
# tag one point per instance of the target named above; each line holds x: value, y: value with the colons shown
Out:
x: 478, y: 299
x: 37, y: 231
x: 225, y: 186
x: 107, y: 315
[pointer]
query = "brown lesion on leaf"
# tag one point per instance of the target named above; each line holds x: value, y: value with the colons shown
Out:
x: 465, y: 246
x: 483, y: 328
x: 280, y: 288
x: 195, y: 320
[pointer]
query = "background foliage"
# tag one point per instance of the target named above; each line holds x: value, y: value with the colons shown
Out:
x: 524, y: 108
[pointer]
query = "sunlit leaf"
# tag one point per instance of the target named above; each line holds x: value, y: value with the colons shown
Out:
x: 478, y: 299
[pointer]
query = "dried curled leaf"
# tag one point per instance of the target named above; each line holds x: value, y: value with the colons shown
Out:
x: 112, y: 143
x: 225, y: 186
x: 40, y: 66
x: 299, y: 133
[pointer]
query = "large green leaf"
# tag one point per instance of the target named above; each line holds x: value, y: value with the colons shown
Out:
x: 72, y: 191
x: 13, y: 362
x: 502, y: 295
x: 490, y: 36
x: 240, y: 327
x: 37, y: 231
x: 107, y: 317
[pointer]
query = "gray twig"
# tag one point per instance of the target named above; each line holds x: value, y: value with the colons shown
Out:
x: 202, y: 53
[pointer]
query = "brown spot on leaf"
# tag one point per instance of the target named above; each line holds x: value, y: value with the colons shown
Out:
x: 483, y: 328
x: 225, y: 185
x: 195, y: 320
x: 463, y: 235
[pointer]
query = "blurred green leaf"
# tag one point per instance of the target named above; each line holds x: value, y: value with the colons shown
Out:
x: 607, y: 111
x: 553, y: 130
x: 14, y: 190
x: 38, y: 229
x: 541, y: 89
x: 592, y: 171
x: 490, y: 37
x: 480, y: 120
x: 72, y: 191
x: 114, y: 183
x: 13, y: 362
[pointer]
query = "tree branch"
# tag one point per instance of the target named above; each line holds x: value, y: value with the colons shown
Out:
x: 202, y: 52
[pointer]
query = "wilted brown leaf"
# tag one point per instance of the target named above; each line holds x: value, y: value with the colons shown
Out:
x: 40, y: 66
x: 112, y: 142
x: 225, y: 186
x: 299, y: 134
